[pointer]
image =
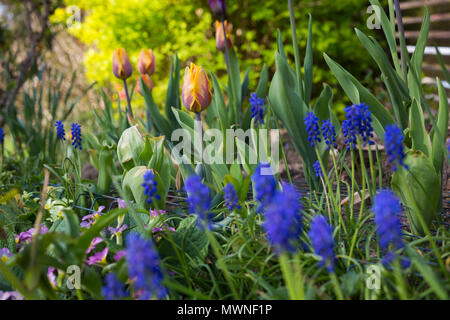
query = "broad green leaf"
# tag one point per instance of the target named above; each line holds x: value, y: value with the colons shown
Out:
x: 439, y: 133
x: 419, y: 135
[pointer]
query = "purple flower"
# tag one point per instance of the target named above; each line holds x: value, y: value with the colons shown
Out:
x: 26, y: 236
x: 10, y: 295
x: 199, y: 199
x: 60, y: 133
x: 2, y: 136
x: 93, y: 244
x: 98, y: 257
x: 156, y: 212
x: 264, y: 185
x: 329, y: 134
x: 393, y: 140
x: 117, y: 231
x: 358, y: 122
x: 257, y: 111
x: 283, y: 219
x: 121, y: 203
x: 312, y: 128
x: 318, y: 169
x: 89, y: 219
x: 321, y: 235
x: 113, y: 289
x: 231, y: 198
x: 51, y: 276
x: 76, y: 135
x: 5, y: 254
x: 150, y: 186
x: 161, y: 229
x: 218, y: 8
x: 144, y: 267
x: 119, y: 255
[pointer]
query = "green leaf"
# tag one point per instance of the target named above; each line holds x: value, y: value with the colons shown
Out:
x: 173, y: 90
x: 419, y: 135
x: 309, y: 63
x: 439, y: 133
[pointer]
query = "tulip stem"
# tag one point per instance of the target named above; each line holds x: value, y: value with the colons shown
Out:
x: 129, y: 111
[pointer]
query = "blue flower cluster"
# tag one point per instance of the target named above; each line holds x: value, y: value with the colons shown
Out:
x: 144, y: 267
x: 231, y: 198
x: 76, y: 135
x: 2, y: 136
x: 312, y: 128
x: 257, y: 111
x: 113, y: 289
x: 393, y: 140
x: 321, y: 235
x: 264, y: 184
x: 60, y: 132
x: 199, y: 199
x: 358, y: 123
x: 318, y: 169
x: 150, y: 186
x: 283, y: 219
x: 329, y: 134
x: 386, y: 208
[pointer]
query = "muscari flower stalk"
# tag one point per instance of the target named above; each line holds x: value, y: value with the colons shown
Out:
x: 199, y: 199
x: 358, y: 123
x: 150, y: 186
x: 113, y: 288
x: 283, y: 219
x: 312, y: 128
x: 144, y: 267
x: 2, y: 136
x: 386, y: 208
x: 218, y: 7
x: 60, y: 133
x: 318, y: 169
x: 393, y: 140
x: 231, y: 198
x: 329, y: 134
x: 220, y: 36
x: 76, y: 135
x: 196, y: 91
x: 321, y: 235
x: 257, y: 111
x: 146, y: 62
x: 265, y: 186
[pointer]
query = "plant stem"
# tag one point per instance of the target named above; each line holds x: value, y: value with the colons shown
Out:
x: 129, y: 110
x: 337, y: 287
x: 289, y: 278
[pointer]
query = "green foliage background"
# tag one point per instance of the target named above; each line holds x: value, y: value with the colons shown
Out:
x: 187, y: 27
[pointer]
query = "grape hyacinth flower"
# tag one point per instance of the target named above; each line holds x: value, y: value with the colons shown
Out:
x: 321, y: 235
x: 2, y: 136
x: 386, y: 208
x: 144, y: 267
x: 358, y: 122
x: 113, y: 288
x: 318, y: 169
x: 150, y: 186
x: 257, y: 111
x: 264, y: 184
x: 60, y: 133
x: 76, y: 135
x: 312, y: 128
x: 393, y: 138
x: 231, y: 198
x: 283, y: 219
x: 199, y: 199
x: 329, y: 134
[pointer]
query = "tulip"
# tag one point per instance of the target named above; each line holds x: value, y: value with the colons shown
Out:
x: 121, y: 64
x: 147, y: 82
x: 196, y: 91
x: 220, y: 42
x: 146, y: 62
x: 218, y: 7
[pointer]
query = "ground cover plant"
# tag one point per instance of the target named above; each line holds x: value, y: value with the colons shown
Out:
x: 188, y: 201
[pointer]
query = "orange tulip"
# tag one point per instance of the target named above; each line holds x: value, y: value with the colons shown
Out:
x: 121, y: 64
x: 220, y: 42
x: 146, y: 62
x: 196, y: 92
x: 147, y: 82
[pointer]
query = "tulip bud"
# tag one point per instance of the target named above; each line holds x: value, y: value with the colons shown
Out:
x: 196, y: 92
x: 121, y: 64
x: 147, y: 81
x: 220, y: 42
x: 146, y: 62
x: 218, y: 7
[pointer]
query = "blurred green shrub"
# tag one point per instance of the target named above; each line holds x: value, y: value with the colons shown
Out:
x: 186, y: 26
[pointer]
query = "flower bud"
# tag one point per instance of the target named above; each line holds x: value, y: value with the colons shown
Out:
x: 121, y: 64
x: 218, y: 7
x: 147, y: 81
x: 220, y: 42
x: 146, y: 62
x: 196, y: 92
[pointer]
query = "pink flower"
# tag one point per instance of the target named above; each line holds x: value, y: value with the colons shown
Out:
x: 26, y: 236
x: 94, y: 242
x: 89, y: 219
x: 98, y: 257
x: 121, y: 203
x: 51, y: 276
x: 155, y: 212
x: 119, y: 255
x: 10, y: 295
